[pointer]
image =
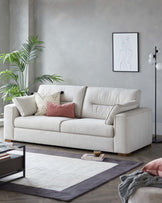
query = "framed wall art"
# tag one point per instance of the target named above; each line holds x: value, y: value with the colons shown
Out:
x: 125, y: 55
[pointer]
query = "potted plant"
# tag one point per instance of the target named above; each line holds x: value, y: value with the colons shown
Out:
x: 14, y: 80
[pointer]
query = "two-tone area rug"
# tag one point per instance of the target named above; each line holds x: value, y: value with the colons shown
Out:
x: 64, y: 176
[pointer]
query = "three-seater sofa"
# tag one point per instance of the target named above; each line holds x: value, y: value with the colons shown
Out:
x: 129, y: 131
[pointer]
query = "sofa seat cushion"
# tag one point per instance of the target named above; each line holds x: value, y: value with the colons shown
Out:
x: 40, y: 122
x: 87, y: 126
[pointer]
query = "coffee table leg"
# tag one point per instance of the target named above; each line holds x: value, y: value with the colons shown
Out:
x: 24, y: 161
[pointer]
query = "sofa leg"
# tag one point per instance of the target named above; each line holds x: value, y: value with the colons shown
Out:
x: 120, y: 154
x: 6, y: 140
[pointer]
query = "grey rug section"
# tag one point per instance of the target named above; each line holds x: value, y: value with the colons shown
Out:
x: 80, y: 188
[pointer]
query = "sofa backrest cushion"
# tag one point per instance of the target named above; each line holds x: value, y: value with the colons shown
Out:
x: 99, y: 101
x: 71, y: 94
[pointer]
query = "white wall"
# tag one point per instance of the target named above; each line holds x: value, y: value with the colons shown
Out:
x: 21, y: 26
x: 19, y: 23
x: 4, y: 33
x: 14, y: 26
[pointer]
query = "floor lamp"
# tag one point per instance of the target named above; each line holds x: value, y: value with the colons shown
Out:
x: 157, y: 66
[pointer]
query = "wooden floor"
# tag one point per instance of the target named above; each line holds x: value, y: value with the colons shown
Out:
x: 107, y: 193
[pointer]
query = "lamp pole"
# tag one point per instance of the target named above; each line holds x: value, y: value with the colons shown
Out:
x: 155, y: 136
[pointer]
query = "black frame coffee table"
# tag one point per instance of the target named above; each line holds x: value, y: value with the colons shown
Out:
x: 12, y: 165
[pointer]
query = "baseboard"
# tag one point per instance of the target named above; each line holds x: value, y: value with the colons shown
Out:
x: 159, y: 129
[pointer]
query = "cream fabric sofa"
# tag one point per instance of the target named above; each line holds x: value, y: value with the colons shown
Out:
x: 130, y: 131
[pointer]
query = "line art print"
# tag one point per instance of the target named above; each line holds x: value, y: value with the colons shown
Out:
x: 125, y: 52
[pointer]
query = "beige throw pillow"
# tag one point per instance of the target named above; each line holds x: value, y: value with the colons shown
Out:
x: 42, y: 100
x: 119, y: 108
x: 26, y: 105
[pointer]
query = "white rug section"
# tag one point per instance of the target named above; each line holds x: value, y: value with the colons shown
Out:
x: 58, y: 173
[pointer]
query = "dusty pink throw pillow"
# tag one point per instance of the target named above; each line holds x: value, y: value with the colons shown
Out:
x: 154, y: 167
x: 64, y: 110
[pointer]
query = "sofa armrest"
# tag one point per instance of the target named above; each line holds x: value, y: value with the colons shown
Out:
x: 133, y: 130
x: 10, y: 113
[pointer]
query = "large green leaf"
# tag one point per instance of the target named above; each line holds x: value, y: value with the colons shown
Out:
x: 48, y: 78
x: 13, y: 58
x: 30, y: 49
x: 9, y: 91
x: 8, y: 75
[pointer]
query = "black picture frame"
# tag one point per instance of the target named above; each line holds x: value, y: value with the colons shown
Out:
x: 125, y: 52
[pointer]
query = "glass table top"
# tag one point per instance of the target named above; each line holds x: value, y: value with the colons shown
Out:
x: 5, y: 147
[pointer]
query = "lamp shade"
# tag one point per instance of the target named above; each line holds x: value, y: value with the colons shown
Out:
x: 151, y: 56
x: 159, y: 66
x: 151, y: 61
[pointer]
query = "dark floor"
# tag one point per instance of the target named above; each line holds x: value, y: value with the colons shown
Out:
x: 106, y: 193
